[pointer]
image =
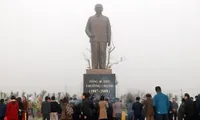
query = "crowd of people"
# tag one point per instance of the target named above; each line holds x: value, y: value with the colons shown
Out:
x: 161, y: 108
x: 158, y: 107
x: 16, y: 109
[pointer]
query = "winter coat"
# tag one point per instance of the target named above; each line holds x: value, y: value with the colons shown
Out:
x: 2, y: 110
x: 12, y: 110
x: 189, y: 108
x: 137, y: 108
x: 148, y: 107
x: 103, y: 105
x: 67, y: 111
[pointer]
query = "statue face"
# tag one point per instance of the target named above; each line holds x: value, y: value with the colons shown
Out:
x: 98, y: 8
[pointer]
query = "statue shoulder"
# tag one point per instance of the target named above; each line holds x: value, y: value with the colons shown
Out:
x: 92, y: 17
x: 105, y: 17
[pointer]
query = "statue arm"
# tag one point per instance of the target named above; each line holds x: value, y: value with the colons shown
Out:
x: 87, y: 29
x: 109, y: 32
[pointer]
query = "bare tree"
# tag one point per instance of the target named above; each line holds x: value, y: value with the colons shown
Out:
x: 23, y: 94
x: 66, y: 94
x: 1, y: 95
x: 139, y: 93
x: 129, y: 97
x: 59, y: 95
x: 176, y: 97
x: 74, y: 96
x: 11, y: 93
x: 87, y: 59
x: 5, y: 95
x: 42, y: 94
x: 170, y: 96
x: 109, y: 64
x: 109, y: 52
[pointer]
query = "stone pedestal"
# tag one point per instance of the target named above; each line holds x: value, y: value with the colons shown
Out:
x: 99, y: 82
x: 99, y: 71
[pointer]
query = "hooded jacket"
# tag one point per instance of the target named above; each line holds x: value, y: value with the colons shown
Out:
x: 12, y: 110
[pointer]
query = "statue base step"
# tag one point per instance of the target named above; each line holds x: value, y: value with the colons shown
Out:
x: 98, y: 71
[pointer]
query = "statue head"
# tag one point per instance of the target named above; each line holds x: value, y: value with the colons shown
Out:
x: 98, y: 9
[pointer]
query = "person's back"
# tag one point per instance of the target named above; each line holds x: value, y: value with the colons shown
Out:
x: 118, y: 107
x: 118, y: 110
x: 181, y: 110
x: 161, y: 104
x: 46, y: 109
x: 12, y: 110
x: 137, y: 108
x: 110, y: 111
x: 198, y: 106
x: 87, y: 107
x: 54, y: 107
x: 2, y: 109
x: 129, y: 106
x: 148, y: 107
x: 103, y: 105
x: 189, y: 108
x: 21, y: 108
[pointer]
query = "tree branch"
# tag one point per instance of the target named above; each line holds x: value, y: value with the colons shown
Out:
x: 88, y: 61
x: 117, y: 62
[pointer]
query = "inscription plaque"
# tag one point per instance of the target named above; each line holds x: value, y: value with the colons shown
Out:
x: 100, y: 84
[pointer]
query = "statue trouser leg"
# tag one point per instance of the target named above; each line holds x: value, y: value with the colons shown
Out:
x: 102, y: 51
x: 94, y: 54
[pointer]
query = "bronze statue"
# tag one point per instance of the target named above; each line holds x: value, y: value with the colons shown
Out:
x: 98, y: 29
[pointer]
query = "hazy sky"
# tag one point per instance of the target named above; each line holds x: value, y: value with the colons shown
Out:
x: 42, y: 42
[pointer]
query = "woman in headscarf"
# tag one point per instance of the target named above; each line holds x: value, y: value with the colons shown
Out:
x: 67, y: 110
x: 12, y: 109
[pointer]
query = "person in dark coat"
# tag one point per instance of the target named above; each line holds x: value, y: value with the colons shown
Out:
x: 170, y: 111
x: 46, y: 108
x: 54, y: 109
x: 181, y: 111
x: 137, y: 108
x: 198, y: 107
x: 59, y: 110
x: 189, y: 108
x: 109, y: 110
x: 2, y: 109
x: 21, y: 108
x: 195, y: 108
x: 87, y: 107
x: 76, y: 109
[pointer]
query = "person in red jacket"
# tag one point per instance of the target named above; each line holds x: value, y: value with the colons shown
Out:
x: 25, y: 104
x: 12, y: 109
